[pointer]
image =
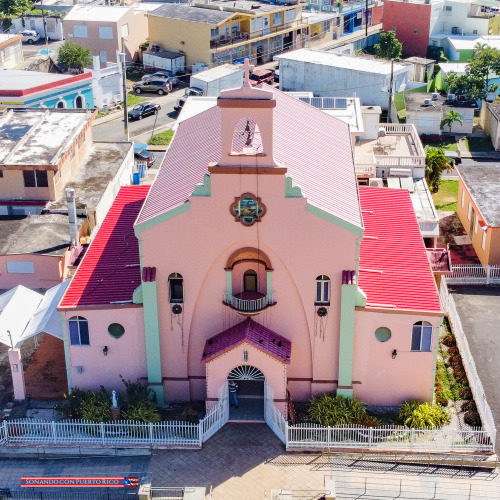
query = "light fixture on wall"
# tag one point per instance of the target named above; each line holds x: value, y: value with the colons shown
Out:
x: 484, y: 228
x: 105, y: 350
x: 245, y: 356
x: 394, y: 354
x: 183, y: 42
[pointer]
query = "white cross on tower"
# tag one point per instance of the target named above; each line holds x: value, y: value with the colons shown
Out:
x: 246, y: 67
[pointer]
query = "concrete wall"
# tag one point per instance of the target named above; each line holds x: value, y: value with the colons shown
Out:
x: 11, y: 55
x: 489, y: 123
x: 330, y: 81
x: 98, y: 369
x: 54, y: 26
x: 47, y: 271
x: 379, y: 379
x: 412, y: 23
x: 428, y: 122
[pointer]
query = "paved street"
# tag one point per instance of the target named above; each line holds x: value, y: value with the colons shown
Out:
x: 247, y: 461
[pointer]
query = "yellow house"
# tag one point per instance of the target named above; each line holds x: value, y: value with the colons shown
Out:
x: 227, y: 32
x: 478, y: 209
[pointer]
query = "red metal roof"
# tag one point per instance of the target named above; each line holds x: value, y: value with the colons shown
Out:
x: 110, y: 271
x: 261, y: 337
x: 393, y: 270
x: 315, y: 148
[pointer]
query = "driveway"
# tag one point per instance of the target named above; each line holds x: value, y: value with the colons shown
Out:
x: 478, y: 307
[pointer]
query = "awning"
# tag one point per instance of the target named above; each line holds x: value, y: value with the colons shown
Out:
x: 25, y: 313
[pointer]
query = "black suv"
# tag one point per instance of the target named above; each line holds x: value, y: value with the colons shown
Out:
x: 139, y: 111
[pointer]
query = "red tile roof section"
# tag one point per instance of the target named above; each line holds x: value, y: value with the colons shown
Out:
x: 394, y: 270
x: 261, y: 337
x: 110, y: 271
x: 315, y: 147
x: 47, y: 86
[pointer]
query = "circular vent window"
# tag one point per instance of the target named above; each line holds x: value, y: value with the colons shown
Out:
x: 116, y: 330
x: 382, y: 334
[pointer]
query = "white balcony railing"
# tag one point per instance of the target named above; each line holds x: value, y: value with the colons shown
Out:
x: 248, y: 305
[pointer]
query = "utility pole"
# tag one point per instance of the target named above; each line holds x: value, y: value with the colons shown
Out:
x: 124, y: 82
x: 45, y: 29
x: 366, y: 19
x: 390, y: 92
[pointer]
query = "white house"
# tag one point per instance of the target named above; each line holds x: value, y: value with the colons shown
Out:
x: 11, y: 51
x: 53, y: 24
x: 426, y: 113
x: 333, y: 75
x: 107, y: 83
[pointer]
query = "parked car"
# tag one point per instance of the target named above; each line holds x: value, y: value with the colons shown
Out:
x: 160, y: 86
x: 191, y: 91
x: 145, y: 155
x: 30, y: 36
x: 139, y: 111
x: 277, y: 75
x: 173, y: 80
x: 453, y: 156
x: 261, y: 76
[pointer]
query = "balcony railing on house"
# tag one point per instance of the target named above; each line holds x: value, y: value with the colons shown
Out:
x: 224, y: 40
x: 248, y: 305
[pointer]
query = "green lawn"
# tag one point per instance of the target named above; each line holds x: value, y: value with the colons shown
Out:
x: 447, y: 144
x: 479, y: 144
x: 161, y: 139
x: 133, y: 99
x: 446, y: 197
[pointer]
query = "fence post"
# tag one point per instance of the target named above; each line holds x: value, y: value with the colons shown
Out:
x: 370, y: 438
x: 54, y: 436
x: 6, y: 430
x: 412, y: 438
x: 488, y: 274
x: 103, y: 438
x: 150, y: 432
x: 200, y: 432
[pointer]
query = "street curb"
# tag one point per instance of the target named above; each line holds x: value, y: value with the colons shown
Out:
x: 107, y: 118
x: 70, y: 452
x: 161, y: 147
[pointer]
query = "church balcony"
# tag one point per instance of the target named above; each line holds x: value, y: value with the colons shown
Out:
x: 249, y: 302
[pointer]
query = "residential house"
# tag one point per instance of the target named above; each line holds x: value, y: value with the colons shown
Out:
x: 323, y: 27
x: 35, y: 89
x: 489, y: 121
x: 53, y: 25
x: 11, y: 51
x: 107, y: 83
x: 461, y: 48
x: 421, y: 23
x: 422, y: 70
x: 301, y: 288
x: 477, y: 209
x: 426, y: 111
x: 226, y: 32
x: 326, y: 74
x: 106, y: 29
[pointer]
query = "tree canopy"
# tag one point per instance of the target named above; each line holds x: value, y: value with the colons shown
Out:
x: 388, y: 46
x: 475, y: 83
x: 74, y: 56
x: 450, y: 118
x: 14, y: 8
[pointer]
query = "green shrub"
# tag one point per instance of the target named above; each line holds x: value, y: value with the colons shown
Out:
x: 441, y: 400
x: 466, y: 393
x: 332, y: 411
x: 96, y: 406
x: 138, y: 393
x: 143, y: 411
x: 472, y: 418
x: 368, y: 421
x: 423, y: 415
x: 189, y: 414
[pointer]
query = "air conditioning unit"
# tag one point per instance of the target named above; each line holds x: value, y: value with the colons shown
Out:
x: 452, y: 97
x: 376, y: 182
x: 435, y: 96
x: 427, y: 102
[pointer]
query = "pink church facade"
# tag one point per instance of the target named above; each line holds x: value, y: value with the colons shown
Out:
x: 255, y: 256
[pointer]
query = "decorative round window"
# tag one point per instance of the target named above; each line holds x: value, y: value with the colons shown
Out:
x: 116, y: 330
x: 382, y: 334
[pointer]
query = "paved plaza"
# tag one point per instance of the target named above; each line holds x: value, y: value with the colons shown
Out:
x: 247, y: 461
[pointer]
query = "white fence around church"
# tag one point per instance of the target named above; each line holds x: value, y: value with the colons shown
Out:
x: 474, y: 274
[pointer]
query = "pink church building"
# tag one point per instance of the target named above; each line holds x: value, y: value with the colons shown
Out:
x: 255, y: 256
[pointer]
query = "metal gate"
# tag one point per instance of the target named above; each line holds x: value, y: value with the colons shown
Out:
x: 273, y: 416
x: 217, y: 416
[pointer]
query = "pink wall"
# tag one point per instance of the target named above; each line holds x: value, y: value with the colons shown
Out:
x: 377, y: 14
x: 297, y: 255
x: 387, y: 381
x: 48, y: 271
x: 126, y: 355
x: 240, y: 269
x: 408, y: 18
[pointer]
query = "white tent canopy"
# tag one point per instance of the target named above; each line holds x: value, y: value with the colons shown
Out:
x: 25, y: 313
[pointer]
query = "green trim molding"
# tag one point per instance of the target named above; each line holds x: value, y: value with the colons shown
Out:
x: 229, y: 283
x: 352, y: 228
x: 154, y: 221
x: 66, y: 351
x: 203, y: 188
x: 436, y: 349
x: 137, y: 296
x: 269, y: 285
x: 292, y: 191
x: 152, y: 336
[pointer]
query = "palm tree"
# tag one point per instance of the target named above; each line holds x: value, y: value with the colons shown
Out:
x: 435, y: 164
x: 450, y: 118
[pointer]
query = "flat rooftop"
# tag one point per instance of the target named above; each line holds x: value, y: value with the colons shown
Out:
x: 414, y: 101
x: 98, y: 169
x: 41, y: 234
x: 355, y: 63
x: 215, y: 73
x: 103, y: 13
x: 483, y: 182
x: 17, y: 79
x: 39, y: 136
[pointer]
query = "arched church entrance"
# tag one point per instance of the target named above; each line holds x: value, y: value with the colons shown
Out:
x: 250, y: 394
